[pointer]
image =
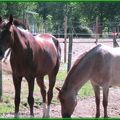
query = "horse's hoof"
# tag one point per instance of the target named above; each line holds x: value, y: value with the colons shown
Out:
x: 43, y: 116
x: 97, y: 116
x: 46, y: 116
x: 106, y: 117
x: 31, y: 116
x: 16, y: 115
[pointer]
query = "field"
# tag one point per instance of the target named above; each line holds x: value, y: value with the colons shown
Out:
x: 86, y: 103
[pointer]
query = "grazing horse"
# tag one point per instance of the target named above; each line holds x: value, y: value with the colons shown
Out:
x: 31, y: 57
x: 100, y: 65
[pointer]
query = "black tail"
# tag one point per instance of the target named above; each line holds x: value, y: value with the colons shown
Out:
x: 57, y: 44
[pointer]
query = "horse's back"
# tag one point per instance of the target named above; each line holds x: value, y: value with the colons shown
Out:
x: 100, y: 64
x: 50, y: 52
x: 115, y: 66
x: 47, y: 38
x: 107, y: 65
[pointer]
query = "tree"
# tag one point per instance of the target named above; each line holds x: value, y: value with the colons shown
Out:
x: 3, y: 7
x: 18, y: 9
x: 106, y: 11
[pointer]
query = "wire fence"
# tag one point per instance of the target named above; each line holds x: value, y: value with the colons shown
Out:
x: 80, y: 45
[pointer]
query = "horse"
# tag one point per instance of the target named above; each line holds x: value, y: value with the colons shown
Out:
x: 31, y: 57
x: 100, y: 65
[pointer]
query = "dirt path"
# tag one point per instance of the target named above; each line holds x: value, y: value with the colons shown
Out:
x: 85, y: 107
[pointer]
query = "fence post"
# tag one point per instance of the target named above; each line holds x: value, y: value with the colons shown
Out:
x: 115, y: 43
x: 70, y: 46
x: 96, y: 29
x: 65, y: 37
x: 0, y: 81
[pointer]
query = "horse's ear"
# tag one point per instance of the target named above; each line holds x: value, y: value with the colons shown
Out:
x: 58, y: 89
x: 11, y: 19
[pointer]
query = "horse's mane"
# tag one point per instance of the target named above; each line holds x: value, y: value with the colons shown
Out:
x: 19, y: 23
x: 16, y: 22
x: 82, y: 56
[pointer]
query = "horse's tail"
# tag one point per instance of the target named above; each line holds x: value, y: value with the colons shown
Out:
x: 57, y: 44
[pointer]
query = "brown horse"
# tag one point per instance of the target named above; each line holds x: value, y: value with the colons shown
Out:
x: 31, y: 57
x: 100, y: 65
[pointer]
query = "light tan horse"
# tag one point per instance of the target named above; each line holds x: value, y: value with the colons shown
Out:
x: 100, y: 65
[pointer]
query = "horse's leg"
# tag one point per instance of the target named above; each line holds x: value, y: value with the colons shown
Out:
x: 105, y: 100
x: 30, y: 95
x: 8, y: 52
x: 40, y: 82
x: 52, y: 79
x: 17, y: 85
x: 97, y: 100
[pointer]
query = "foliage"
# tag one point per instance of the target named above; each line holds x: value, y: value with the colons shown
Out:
x: 85, y: 32
x: 3, y: 8
x: 48, y: 24
x: 51, y: 14
x: 16, y: 8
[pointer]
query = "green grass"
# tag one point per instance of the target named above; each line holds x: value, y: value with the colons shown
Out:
x: 6, y: 108
x: 62, y: 72
x: 86, y: 90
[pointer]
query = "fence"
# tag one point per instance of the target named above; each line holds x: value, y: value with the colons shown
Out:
x: 0, y: 81
x: 80, y: 45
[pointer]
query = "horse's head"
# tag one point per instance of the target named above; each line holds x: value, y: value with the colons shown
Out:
x: 68, y: 102
x: 6, y: 34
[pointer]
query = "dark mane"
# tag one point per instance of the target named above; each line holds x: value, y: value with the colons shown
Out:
x: 16, y: 22
x: 81, y: 57
x: 19, y: 23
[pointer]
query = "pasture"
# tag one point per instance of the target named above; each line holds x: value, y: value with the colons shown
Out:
x: 86, y: 104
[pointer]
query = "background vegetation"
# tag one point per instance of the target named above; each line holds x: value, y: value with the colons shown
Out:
x: 50, y: 15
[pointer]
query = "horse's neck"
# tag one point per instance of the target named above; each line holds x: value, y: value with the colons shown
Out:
x: 80, y: 73
x: 19, y: 42
x: 76, y: 80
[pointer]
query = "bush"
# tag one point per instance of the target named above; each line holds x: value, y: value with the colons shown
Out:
x: 83, y: 32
